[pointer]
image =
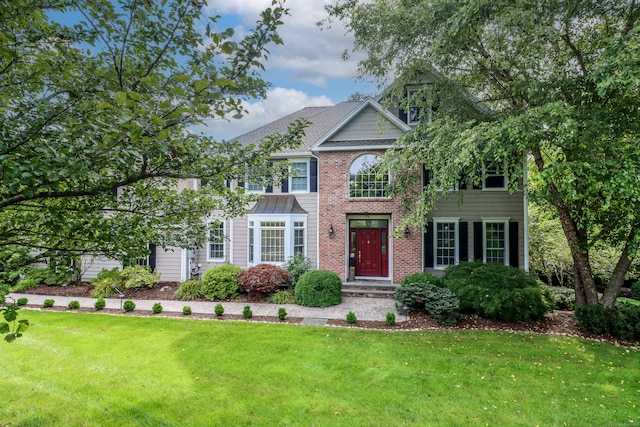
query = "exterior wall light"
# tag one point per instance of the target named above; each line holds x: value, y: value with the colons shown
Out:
x: 407, y: 232
x: 331, y: 231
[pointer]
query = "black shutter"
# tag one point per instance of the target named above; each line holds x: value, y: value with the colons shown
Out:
x: 284, y: 185
x: 240, y: 183
x: 403, y: 115
x: 152, y: 257
x: 426, y: 176
x: 313, y: 175
x: 478, y: 246
x: 203, y: 182
x: 269, y: 188
x: 114, y: 191
x: 513, y: 244
x: 463, y: 237
x: 428, y: 246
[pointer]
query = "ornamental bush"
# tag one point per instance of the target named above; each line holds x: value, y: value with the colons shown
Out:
x: 422, y: 278
x: 284, y: 296
x: 129, y: 305
x: 496, y: 291
x: 189, y: 290
x: 318, y: 288
x: 220, y: 282
x: 219, y: 310
x: 74, y: 305
x: 563, y: 298
x: 442, y: 304
x: 138, y: 276
x: 296, y: 266
x: 621, y: 321
x: 351, y: 318
x: 105, y: 282
x: 100, y: 304
x: 635, y: 290
x: 48, y: 303
x: 391, y: 319
x: 246, y: 312
x: 157, y: 308
x: 186, y: 310
x: 22, y: 301
x: 282, y: 313
x: 264, y: 278
x: 413, y: 294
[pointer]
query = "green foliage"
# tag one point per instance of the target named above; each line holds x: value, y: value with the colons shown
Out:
x: 100, y: 303
x: 129, y: 305
x: 318, y: 288
x: 422, y: 278
x: 296, y: 266
x: 621, y: 321
x: 138, y: 276
x: 14, y: 260
x: 12, y: 328
x: 105, y: 282
x: 48, y: 303
x: 282, y: 313
x: 285, y: 296
x: 189, y: 290
x: 496, y: 291
x: 74, y: 305
x: 22, y: 301
x: 157, y: 308
x: 635, y: 290
x: 246, y: 312
x: 442, y: 304
x: 413, y: 294
x: 25, y: 284
x: 264, y: 278
x: 218, y: 310
x: 220, y: 282
x: 186, y: 310
x: 562, y: 298
x: 391, y: 318
x: 351, y: 318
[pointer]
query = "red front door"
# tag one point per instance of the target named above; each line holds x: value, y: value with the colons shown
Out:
x: 371, y: 252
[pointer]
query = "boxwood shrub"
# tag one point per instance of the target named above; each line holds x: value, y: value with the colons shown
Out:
x: 496, y: 291
x: 318, y: 288
x: 220, y: 282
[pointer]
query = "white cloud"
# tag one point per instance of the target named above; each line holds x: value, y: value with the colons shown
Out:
x: 279, y: 103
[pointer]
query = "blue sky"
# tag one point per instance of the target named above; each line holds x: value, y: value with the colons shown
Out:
x: 307, y: 71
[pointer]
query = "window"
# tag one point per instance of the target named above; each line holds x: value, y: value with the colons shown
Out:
x: 417, y: 101
x: 413, y: 113
x: 495, y: 178
x: 216, y: 241
x: 495, y: 239
x: 300, y: 176
x: 445, y: 248
x: 252, y: 187
x: 274, y: 238
x: 366, y: 180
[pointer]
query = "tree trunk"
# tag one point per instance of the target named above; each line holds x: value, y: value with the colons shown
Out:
x: 612, y: 290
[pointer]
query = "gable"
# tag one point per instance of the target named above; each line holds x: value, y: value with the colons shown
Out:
x: 369, y: 125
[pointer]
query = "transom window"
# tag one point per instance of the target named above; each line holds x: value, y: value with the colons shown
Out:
x: 446, y: 236
x: 495, y: 242
x: 216, y: 241
x: 366, y: 179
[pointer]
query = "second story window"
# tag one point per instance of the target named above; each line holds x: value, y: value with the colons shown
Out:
x: 300, y: 176
x: 366, y: 179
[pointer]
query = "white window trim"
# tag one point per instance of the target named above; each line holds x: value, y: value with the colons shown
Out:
x: 289, y: 235
x: 379, y: 156
x: 436, y: 221
x: 246, y: 188
x: 504, y: 221
x: 505, y: 187
x: 224, y: 242
x: 307, y: 162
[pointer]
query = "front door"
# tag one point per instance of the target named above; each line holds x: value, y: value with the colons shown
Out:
x: 369, y: 245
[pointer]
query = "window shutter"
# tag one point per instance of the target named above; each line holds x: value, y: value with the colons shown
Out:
x: 203, y: 182
x: 463, y: 237
x: 313, y: 175
x: 240, y: 183
x: 428, y: 246
x: 426, y: 176
x: 284, y: 185
x: 269, y: 189
x: 513, y: 244
x: 402, y: 115
x: 478, y: 246
x: 114, y: 191
x: 152, y: 257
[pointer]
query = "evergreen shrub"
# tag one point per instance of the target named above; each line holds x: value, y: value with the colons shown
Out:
x: 442, y: 304
x: 22, y: 301
x: 74, y: 305
x: 621, y: 321
x: 422, y: 278
x: 282, y: 313
x: 391, y: 319
x: 220, y: 282
x: 296, y: 266
x: 218, y: 310
x: 264, y: 278
x: 189, y: 290
x: 635, y: 290
x: 186, y: 310
x: 129, y: 305
x: 157, y: 308
x: 496, y: 291
x: 318, y: 288
x: 100, y: 304
x: 351, y: 318
x: 413, y: 294
x: 246, y: 312
x: 48, y: 303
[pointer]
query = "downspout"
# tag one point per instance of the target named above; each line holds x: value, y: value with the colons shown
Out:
x: 525, y: 209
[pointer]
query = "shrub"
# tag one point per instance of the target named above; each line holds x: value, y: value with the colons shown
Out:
x: 157, y: 308
x: 105, y: 282
x: 100, y: 304
x: 265, y: 278
x: 138, y: 276
x: 496, y: 291
x: 351, y: 318
x: 186, y: 310
x: 48, y: 303
x: 74, y: 305
x: 219, y: 310
x: 562, y: 298
x: 391, y: 319
x: 14, y: 262
x: 25, y: 284
x: 129, y: 305
x: 282, y: 313
x: 635, y: 290
x: 246, y: 312
x: 189, y: 290
x: 442, y: 304
x: 621, y: 321
x: 296, y: 266
x: 422, y: 278
x: 220, y: 282
x: 413, y: 294
x: 22, y: 301
x: 284, y: 296
x: 318, y: 288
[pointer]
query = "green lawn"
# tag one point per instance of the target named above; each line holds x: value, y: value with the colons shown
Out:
x: 73, y: 369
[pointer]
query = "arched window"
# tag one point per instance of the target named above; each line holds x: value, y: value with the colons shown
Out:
x: 366, y: 180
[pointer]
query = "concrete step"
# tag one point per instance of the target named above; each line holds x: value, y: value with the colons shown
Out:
x: 369, y: 289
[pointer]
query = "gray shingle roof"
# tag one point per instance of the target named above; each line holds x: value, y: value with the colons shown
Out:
x: 278, y: 205
x: 323, y: 119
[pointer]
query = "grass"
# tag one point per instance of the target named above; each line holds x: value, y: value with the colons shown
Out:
x: 629, y: 300
x: 73, y: 369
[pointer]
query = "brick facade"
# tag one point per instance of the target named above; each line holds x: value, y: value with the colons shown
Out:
x: 336, y: 207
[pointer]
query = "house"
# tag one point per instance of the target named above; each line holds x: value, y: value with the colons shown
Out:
x: 336, y: 205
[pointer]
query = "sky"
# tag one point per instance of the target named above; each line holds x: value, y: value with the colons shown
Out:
x: 308, y: 70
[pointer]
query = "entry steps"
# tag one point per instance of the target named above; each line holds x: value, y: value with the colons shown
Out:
x: 369, y: 288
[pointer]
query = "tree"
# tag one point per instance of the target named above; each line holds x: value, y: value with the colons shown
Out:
x: 95, y: 121
x: 562, y: 80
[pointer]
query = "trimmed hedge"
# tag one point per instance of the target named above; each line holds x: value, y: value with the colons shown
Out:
x: 318, y: 288
x: 220, y: 282
x: 621, y: 321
